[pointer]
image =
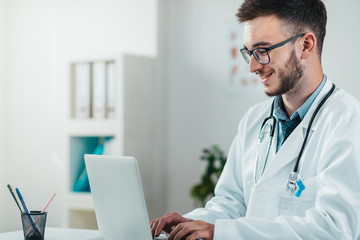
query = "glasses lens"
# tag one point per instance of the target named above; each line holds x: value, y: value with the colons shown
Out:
x: 246, y: 54
x: 261, y: 55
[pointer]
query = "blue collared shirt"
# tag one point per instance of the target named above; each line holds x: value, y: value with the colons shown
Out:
x: 281, y: 114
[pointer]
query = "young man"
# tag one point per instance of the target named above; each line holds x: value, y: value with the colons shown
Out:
x: 293, y: 170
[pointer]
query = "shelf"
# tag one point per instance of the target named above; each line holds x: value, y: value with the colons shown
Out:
x: 91, y: 127
x: 133, y: 118
x: 80, y: 201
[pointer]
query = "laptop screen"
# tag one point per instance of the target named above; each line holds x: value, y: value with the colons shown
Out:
x: 118, y: 197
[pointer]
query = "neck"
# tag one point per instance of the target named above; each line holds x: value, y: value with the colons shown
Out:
x: 297, y: 96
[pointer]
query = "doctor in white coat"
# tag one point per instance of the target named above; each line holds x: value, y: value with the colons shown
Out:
x: 293, y: 169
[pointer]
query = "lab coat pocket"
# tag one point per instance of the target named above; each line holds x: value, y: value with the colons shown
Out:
x: 291, y: 205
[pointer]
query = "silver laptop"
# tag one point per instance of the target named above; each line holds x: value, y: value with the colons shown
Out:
x: 118, y: 197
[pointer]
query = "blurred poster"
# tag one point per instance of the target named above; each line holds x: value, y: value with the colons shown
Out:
x: 239, y: 79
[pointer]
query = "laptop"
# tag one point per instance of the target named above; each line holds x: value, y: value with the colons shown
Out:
x: 118, y: 197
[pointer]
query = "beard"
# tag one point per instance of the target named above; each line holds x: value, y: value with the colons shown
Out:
x: 289, y: 76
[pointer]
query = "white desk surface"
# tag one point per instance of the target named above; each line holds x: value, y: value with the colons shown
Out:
x: 57, y: 234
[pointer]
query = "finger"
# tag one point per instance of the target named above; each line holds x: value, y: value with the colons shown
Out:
x: 161, y: 225
x: 153, y: 225
x: 181, y: 230
x: 174, y: 231
x: 166, y: 223
x: 182, y: 234
x: 175, y: 234
x: 200, y: 235
x: 198, y: 229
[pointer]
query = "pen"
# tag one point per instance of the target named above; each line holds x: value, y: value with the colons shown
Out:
x: 27, y: 211
x: 13, y: 195
x: 44, y: 210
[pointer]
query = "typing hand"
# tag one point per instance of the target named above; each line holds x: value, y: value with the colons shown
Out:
x: 193, y: 230
x: 166, y: 223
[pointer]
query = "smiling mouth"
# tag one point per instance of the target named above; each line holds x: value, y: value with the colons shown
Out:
x: 265, y: 78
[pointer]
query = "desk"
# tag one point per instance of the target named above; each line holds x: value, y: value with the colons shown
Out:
x: 57, y: 234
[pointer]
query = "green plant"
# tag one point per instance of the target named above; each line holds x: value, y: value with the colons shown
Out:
x: 216, y: 160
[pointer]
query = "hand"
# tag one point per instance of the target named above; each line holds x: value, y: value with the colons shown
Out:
x: 192, y: 230
x: 166, y: 223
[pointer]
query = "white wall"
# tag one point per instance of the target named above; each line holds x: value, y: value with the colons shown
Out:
x: 340, y: 58
x: 40, y: 35
x: 199, y: 111
x: 200, y: 114
x: 2, y: 183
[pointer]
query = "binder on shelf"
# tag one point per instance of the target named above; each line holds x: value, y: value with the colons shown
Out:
x: 98, y: 90
x: 82, y: 182
x: 110, y: 90
x: 82, y: 90
x: 110, y: 147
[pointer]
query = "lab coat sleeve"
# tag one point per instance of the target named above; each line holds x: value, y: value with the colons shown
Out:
x: 228, y: 201
x: 336, y: 214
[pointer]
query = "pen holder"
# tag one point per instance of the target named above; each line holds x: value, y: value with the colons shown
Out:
x: 34, y: 225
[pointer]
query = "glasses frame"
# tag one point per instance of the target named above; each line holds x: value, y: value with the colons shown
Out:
x: 246, y: 53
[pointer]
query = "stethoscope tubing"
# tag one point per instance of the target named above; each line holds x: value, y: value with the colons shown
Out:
x: 296, y: 167
x: 272, y: 131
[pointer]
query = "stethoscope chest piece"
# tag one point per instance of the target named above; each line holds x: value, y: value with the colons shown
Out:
x: 295, y: 183
x: 291, y: 184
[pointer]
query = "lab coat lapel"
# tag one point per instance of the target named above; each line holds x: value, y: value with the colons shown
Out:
x: 288, y: 152
x: 290, y: 149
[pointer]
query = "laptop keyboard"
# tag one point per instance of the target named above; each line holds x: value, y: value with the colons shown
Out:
x: 161, y: 237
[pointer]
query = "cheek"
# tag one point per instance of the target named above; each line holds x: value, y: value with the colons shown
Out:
x: 271, y: 67
x: 279, y: 59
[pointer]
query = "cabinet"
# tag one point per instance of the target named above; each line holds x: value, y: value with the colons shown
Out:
x: 129, y: 125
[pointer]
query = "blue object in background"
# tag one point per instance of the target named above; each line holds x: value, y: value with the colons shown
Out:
x: 82, y: 182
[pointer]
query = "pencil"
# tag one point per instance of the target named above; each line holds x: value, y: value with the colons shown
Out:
x: 13, y: 195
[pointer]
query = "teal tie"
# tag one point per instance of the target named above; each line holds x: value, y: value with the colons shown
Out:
x: 288, y: 127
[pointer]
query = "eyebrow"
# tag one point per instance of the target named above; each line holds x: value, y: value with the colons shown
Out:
x: 259, y: 44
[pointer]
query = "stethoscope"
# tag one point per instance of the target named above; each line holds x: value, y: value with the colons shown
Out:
x: 293, y: 182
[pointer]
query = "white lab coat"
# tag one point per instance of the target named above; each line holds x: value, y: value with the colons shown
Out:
x: 328, y: 208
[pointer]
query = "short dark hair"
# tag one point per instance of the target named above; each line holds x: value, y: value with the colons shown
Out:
x: 300, y: 15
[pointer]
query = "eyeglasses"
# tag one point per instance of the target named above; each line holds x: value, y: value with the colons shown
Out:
x: 262, y: 54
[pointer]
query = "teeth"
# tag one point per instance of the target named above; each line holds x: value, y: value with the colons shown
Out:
x: 266, y: 76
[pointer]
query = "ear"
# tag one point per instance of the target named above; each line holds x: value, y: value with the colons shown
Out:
x: 308, y: 45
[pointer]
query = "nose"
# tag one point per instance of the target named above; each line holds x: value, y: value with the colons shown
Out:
x: 254, y: 65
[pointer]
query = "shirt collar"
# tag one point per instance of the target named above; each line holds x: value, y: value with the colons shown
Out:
x: 280, y: 111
